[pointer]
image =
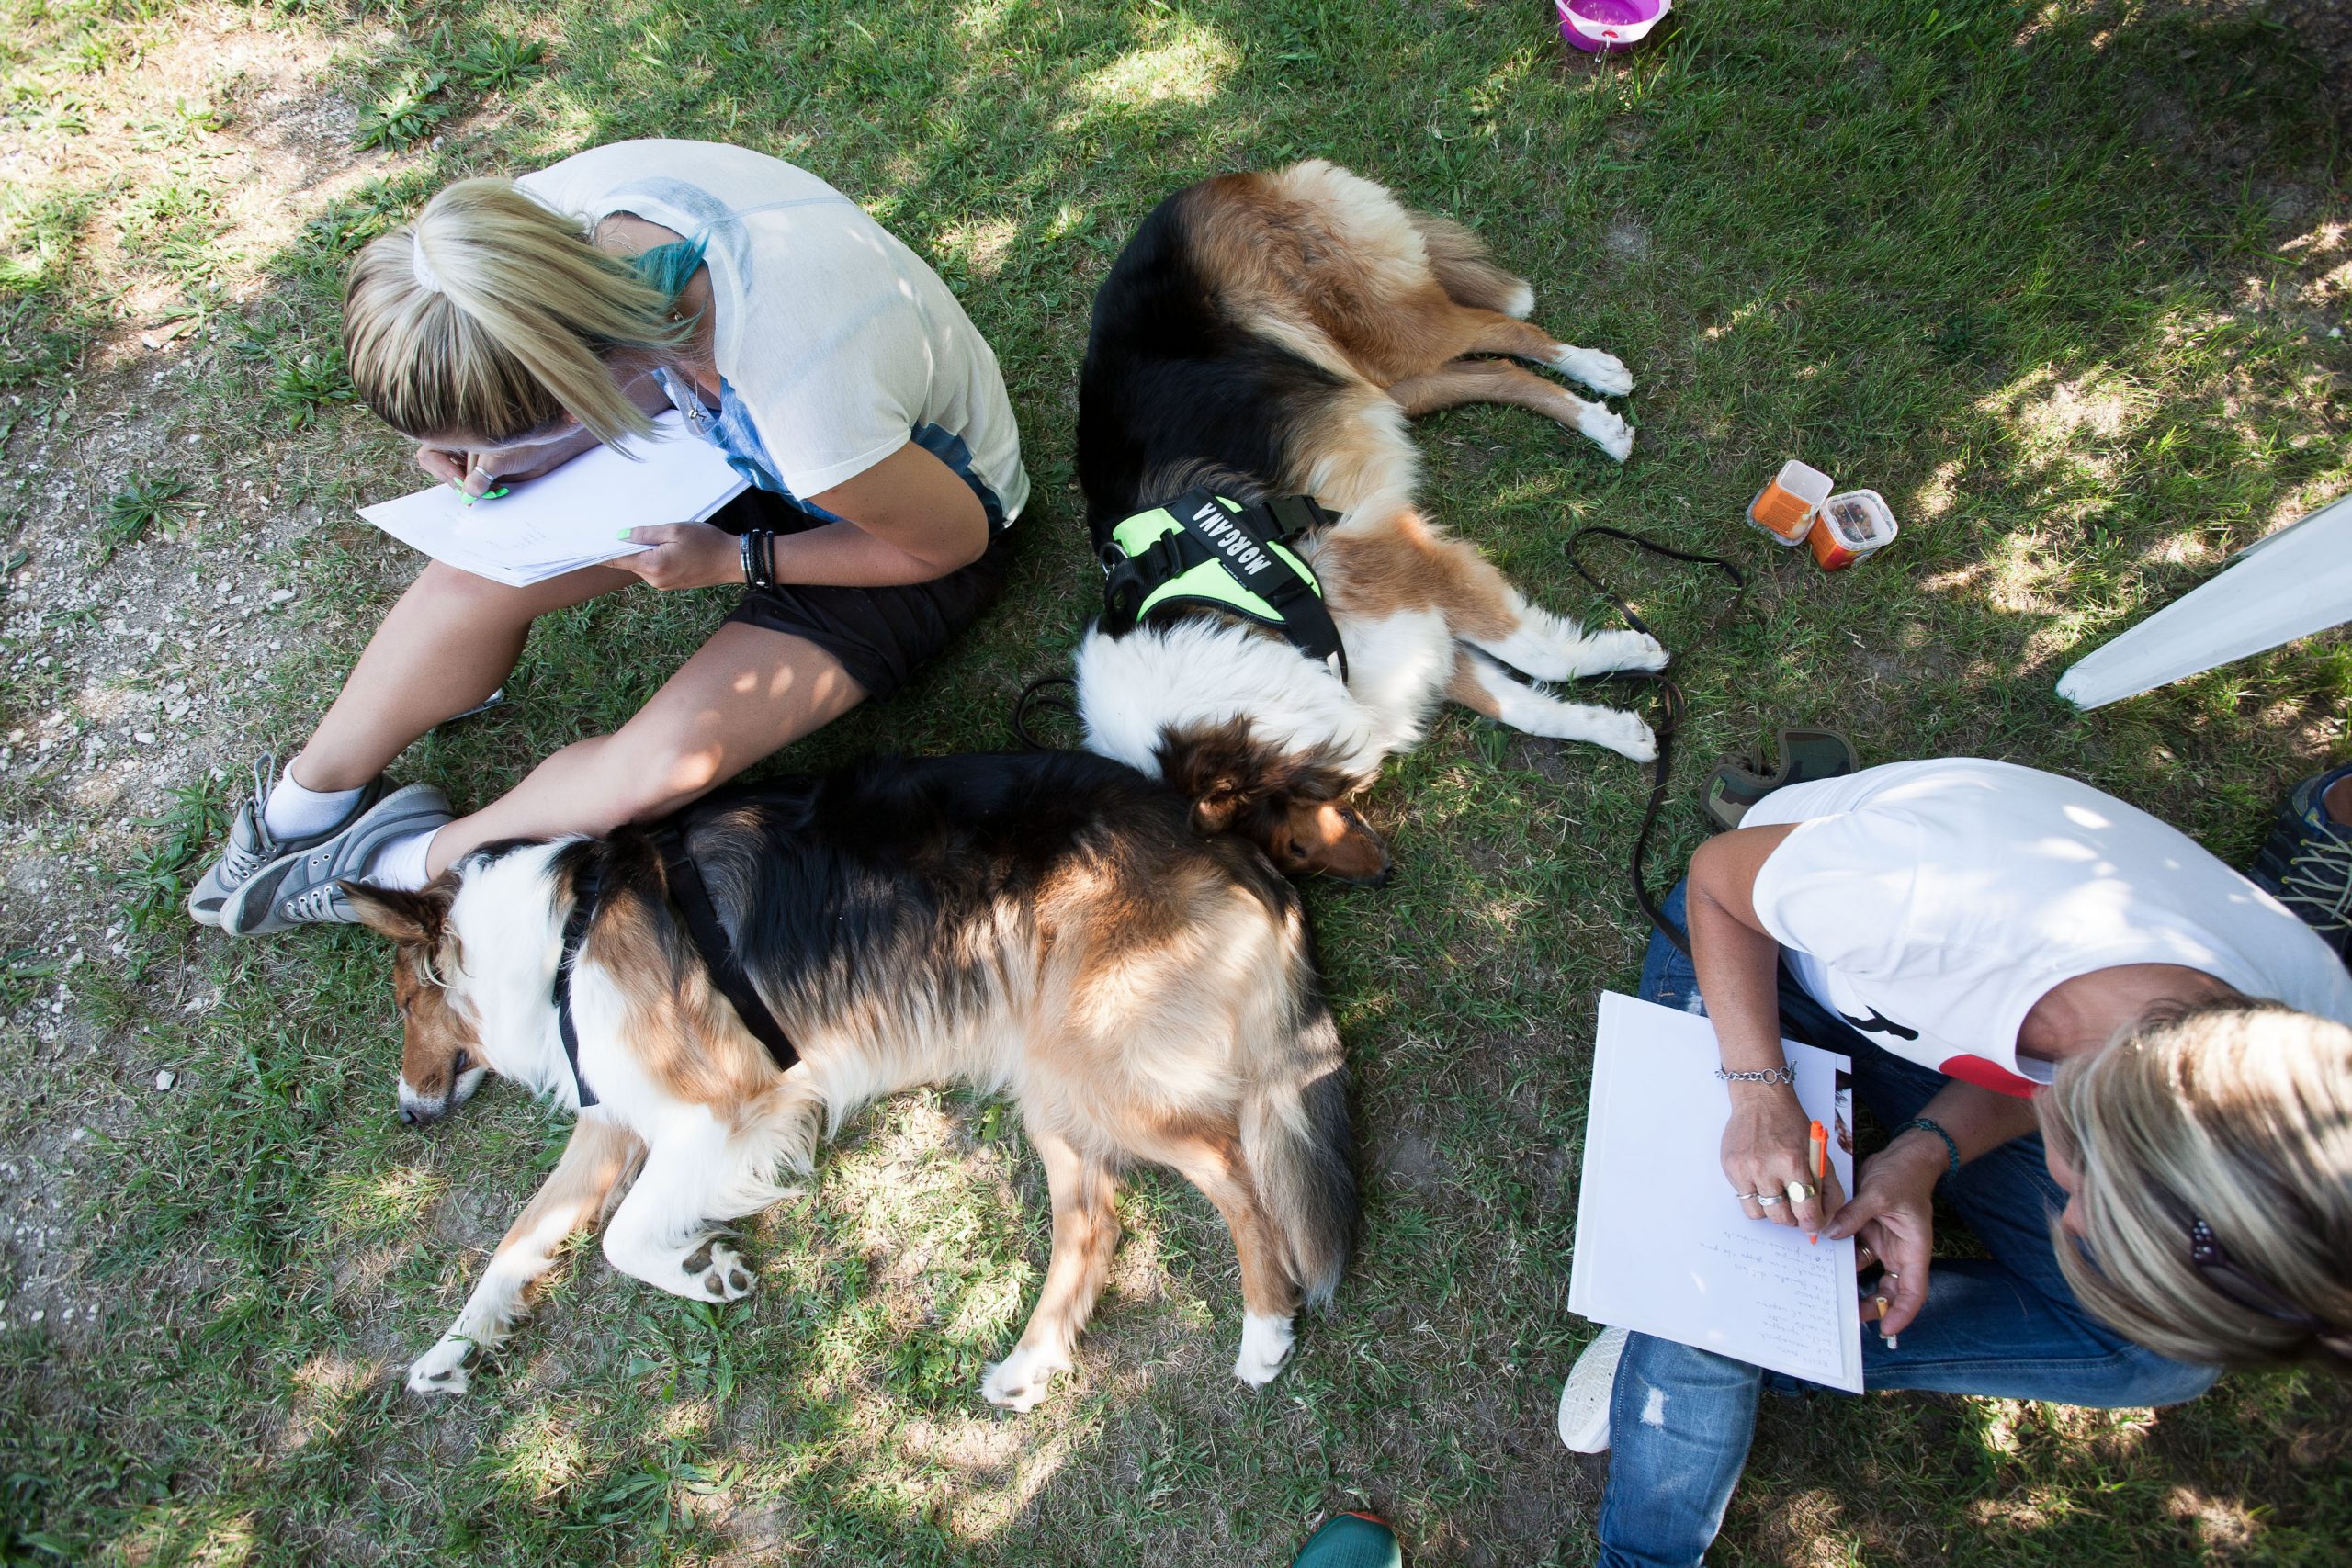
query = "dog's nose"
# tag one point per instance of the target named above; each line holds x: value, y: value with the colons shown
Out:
x: 408, y: 1117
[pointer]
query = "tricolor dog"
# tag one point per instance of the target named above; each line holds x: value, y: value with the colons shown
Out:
x: 1263, y: 337
x: 1051, y: 928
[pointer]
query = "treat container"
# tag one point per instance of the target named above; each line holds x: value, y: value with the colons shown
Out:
x: 1852, y: 525
x: 1598, y: 26
x: 1786, y: 507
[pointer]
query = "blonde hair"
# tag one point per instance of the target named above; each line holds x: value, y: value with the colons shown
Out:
x: 490, y: 316
x: 2238, y: 1115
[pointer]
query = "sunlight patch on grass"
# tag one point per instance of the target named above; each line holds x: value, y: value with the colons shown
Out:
x: 325, y: 1387
x: 1188, y: 66
x: 2221, y: 1524
x: 540, y: 1454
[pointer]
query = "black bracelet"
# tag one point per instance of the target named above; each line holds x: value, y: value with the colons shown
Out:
x: 758, y: 569
x: 1951, y: 1148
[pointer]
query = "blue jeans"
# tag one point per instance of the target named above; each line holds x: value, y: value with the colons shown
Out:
x: 1680, y: 1419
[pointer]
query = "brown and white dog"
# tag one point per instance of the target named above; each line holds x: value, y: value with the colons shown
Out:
x: 1270, y: 334
x: 1048, y: 927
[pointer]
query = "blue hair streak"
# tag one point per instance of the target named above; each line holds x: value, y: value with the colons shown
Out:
x: 668, y: 268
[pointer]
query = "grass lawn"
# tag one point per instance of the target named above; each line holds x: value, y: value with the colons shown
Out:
x: 2065, y: 281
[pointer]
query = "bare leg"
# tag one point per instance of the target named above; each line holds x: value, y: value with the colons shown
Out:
x: 1496, y: 381
x: 573, y: 1198
x: 745, y: 693
x: 1086, y: 1233
x: 446, y: 646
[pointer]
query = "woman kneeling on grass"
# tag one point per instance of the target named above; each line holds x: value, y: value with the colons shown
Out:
x: 1969, y: 933
x: 515, y: 325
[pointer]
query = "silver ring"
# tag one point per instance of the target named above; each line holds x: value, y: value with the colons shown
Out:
x: 1767, y: 1199
x: 1799, y: 1192
x: 1744, y: 1197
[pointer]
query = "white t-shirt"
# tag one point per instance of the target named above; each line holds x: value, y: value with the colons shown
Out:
x: 1931, y: 904
x: 837, y: 339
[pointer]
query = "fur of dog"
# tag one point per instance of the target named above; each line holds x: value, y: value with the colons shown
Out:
x: 1047, y: 927
x: 1268, y: 334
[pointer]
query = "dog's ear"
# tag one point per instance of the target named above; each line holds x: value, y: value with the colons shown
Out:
x: 1221, y: 771
x: 409, y: 918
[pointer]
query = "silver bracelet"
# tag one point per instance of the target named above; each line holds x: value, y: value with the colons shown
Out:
x: 1781, y: 1075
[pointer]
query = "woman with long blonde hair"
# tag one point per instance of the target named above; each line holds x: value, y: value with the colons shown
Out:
x: 2123, y: 1067
x: 516, y: 323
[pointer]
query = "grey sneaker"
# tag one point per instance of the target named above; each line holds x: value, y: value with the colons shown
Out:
x: 252, y: 845
x: 302, y: 888
x: 1584, y: 1398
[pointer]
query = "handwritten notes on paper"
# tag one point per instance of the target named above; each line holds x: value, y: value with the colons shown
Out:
x: 1662, y: 1245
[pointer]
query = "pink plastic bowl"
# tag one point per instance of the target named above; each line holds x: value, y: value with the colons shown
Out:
x: 1598, y: 26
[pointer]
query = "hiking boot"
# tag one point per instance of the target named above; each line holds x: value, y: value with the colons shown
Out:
x: 253, y: 846
x: 2306, y: 863
x: 304, y: 888
x: 1584, y: 1398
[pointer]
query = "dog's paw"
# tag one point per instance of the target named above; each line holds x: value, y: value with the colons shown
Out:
x: 1604, y: 373
x: 1020, y: 1381
x: 1627, y: 650
x: 1265, y: 1346
x: 441, y: 1370
x: 1627, y: 736
x: 1606, y: 431
x: 725, y: 1277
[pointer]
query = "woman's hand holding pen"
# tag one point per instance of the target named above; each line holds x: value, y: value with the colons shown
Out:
x: 1892, y: 1217
x: 1767, y: 1156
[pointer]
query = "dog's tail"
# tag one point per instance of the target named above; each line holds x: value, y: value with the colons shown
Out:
x: 1459, y: 259
x: 1296, y: 1131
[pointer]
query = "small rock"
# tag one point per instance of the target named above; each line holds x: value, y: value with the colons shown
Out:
x: 166, y: 1078
x: 281, y: 595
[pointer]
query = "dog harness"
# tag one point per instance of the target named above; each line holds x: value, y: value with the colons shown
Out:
x: 691, y: 899
x: 1201, y: 550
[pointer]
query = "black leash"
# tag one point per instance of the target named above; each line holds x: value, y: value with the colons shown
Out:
x: 1677, y: 708
x: 586, y: 893
x: 1032, y: 696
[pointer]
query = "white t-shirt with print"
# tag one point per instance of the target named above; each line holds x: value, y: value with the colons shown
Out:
x: 1931, y: 904
x: 841, y: 343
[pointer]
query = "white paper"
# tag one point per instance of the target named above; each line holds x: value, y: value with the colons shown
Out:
x: 568, y: 517
x: 1663, y: 1246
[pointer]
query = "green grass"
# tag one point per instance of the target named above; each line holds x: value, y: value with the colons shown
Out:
x: 2050, y: 278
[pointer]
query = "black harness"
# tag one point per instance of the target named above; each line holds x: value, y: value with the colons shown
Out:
x: 691, y: 899
x: 1204, y: 551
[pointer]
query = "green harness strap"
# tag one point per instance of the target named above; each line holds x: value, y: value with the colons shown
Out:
x: 1202, y: 549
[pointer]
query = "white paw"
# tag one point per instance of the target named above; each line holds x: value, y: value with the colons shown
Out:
x: 725, y: 1277
x: 1626, y: 735
x: 1604, y: 373
x: 1265, y: 1346
x: 441, y: 1370
x: 1624, y: 650
x: 1606, y: 431
x: 1020, y: 1381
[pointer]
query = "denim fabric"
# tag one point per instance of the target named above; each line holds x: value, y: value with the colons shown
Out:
x: 1680, y: 1419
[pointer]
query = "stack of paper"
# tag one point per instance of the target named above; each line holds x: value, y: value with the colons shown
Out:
x: 567, y: 518
x: 1663, y: 1246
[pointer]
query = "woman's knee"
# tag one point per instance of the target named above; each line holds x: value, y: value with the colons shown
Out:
x: 646, y: 778
x: 461, y: 598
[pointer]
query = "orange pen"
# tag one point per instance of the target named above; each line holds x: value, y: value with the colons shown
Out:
x: 1820, y: 1138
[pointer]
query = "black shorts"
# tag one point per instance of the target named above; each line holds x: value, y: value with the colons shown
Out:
x: 878, y: 634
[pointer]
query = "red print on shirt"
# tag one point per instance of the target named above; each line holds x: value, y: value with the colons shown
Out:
x: 1989, y: 1075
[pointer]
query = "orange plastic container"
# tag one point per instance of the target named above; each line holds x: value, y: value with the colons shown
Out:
x: 1852, y: 525
x: 1786, y: 507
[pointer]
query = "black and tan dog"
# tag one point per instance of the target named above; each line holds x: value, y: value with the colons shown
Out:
x: 1269, y: 335
x: 1048, y: 927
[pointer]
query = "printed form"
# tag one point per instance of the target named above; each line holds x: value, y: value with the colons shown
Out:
x: 1663, y: 1246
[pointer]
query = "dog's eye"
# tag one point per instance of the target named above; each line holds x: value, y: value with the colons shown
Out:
x: 461, y: 1064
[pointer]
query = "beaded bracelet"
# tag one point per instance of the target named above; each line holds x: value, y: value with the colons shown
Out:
x: 1780, y: 1075
x: 1950, y: 1148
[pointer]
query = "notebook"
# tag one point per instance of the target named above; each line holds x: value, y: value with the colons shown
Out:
x: 1663, y: 1246
x: 567, y: 518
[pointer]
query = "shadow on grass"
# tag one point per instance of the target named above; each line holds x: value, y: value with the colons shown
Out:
x: 2032, y: 273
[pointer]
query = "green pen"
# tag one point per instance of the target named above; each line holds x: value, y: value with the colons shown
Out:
x: 486, y: 495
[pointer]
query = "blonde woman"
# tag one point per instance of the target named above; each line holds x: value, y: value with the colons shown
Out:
x: 2058, y: 1006
x: 516, y: 323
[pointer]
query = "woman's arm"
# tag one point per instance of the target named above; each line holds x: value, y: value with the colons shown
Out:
x: 911, y: 519
x: 476, y: 471
x: 1738, y: 961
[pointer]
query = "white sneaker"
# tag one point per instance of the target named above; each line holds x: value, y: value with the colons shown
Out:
x: 1584, y: 1398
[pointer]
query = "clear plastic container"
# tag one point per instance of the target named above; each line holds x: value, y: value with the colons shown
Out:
x: 1786, y: 507
x: 1852, y: 524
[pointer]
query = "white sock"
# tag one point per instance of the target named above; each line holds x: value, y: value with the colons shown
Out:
x: 400, y: 866
x: 294, y: 812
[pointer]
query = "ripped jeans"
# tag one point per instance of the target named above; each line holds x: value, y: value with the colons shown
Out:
x: 1680, y: 1419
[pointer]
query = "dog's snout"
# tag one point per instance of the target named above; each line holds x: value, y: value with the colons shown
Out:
x: 408, y: 1117
x: 417, y: 1109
